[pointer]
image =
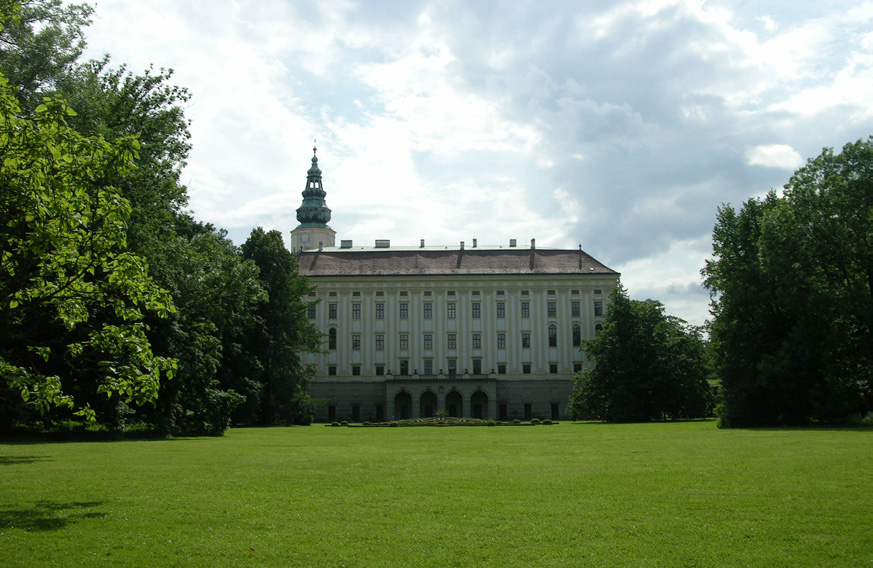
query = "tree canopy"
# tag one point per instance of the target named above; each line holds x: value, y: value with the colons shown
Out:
x: 108, y: 288
x: 790, y: 282
x: 647, y: 366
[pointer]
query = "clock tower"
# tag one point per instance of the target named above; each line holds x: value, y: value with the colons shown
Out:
x: 313, y: 214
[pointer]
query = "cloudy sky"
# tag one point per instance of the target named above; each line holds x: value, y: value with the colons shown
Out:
x: 620, y: 126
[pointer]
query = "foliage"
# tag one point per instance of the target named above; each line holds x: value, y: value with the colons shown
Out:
x: 647, y: 366
x: 71, y: 294
x: 282, y: 331
x: 790, y: 284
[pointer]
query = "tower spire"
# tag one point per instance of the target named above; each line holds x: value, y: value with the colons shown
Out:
x: 313, y: 214
x: 314, y: 211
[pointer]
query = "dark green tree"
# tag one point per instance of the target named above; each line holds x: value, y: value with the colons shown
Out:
x: 647, y: 366
x: 283, y: 333
x: 790, y: 284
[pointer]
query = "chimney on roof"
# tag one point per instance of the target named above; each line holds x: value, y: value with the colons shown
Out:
x: 346, y: 243
x: 320, y: 246
x: 512, y: 242
x: 474, y: 243
x: 533, y: 243
x: 422, y: 243
x: 383, y: 243
x: 462, y: 245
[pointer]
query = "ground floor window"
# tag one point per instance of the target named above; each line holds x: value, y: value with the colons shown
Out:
x: 331, y: 413
x: 554, y: 411
x: 528, y: 411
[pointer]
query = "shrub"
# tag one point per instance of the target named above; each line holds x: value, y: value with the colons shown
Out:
x: 491, y: 423
x: 335, y: 424
x: 516, y: 421
x: 534, y: 420
x: 393, y: 425
x: 344, y: 423
x: 547, y: 422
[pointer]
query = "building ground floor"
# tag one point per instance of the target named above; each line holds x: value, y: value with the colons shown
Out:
x: 488, y: 397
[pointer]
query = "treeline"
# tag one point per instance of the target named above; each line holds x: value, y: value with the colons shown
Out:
x: 116, y: 305
x: 790, y: 341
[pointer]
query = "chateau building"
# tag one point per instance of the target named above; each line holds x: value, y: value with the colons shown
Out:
x: 489, y: 332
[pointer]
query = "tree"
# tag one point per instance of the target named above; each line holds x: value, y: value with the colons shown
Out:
x: 790, y: 282
x: 647, y: 366
x: 283, y: 333
x: 64, y: 260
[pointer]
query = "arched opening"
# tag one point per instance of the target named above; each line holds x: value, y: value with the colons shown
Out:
x: 454, y: 404
x: 427, y: 404
x: 577, y: 335
x: 402, y: 406
x: 479, y: 404
x: 553, y: 335
x: 331, y: 338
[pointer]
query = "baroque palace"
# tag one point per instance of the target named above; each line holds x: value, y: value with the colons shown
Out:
x: 474, y: 331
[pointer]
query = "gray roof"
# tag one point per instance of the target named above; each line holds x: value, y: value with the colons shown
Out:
x: 447, y: 261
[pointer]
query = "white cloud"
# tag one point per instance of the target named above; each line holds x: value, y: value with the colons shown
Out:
x: 774, y: 156
x: 454, y: 120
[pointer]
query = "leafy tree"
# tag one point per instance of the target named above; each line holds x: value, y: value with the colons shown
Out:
x: 647, y: 366
x: 790, y: 283
x: 283, y: 332
x: 64, y: 259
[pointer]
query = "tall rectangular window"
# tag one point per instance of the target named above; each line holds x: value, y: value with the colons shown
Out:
x: 331, y: 311
x: 310, y: 312
x: 598, y: 307
x: 428, y: 310
x: 452, y: 366
x: 552, y: 309
x: 525, y: 368
x: 404, y: 367
x: 477, y: 341
x: 476, y: 309
x: 356, y: 342
x: 501, y: 341
x: 380, y: 310
x: 404, y: 311
x: 575, y: 309
x: 477, y: 366
x: 380, y: 342
x: 525, y: 309
x: 501, y: 310
x: 428, y: 366
x: 450, y: 310
x: 404, y: 341
x: 525, y: 339
x: 452, y: 342
x: 356, y: 311
x: 428, y: 341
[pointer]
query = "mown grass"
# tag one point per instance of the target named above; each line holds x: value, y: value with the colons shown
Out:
x: 675, y: 494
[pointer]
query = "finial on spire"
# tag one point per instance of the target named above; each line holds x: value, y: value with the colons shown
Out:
x: 314, y: 146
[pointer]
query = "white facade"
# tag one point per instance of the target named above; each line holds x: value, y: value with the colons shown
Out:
x: 512, y: 338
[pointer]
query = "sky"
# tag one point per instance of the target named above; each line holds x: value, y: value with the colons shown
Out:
x: 617, y: 126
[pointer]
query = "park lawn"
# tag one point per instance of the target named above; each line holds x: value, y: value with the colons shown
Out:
x: 574, y: 494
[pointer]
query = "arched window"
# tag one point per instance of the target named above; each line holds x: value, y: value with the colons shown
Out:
x: 553, y: 335
x: 331, y: 338
x: 577, y: 335
x: 598, y: 328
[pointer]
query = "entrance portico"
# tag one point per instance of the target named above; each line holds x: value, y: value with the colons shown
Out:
x: 410, y: 397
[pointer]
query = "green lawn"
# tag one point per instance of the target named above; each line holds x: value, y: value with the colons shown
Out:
x: 683, y: 494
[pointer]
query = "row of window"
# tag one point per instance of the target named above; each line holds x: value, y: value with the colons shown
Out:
x: 451, y: 366
x: 452, y: 339
x: 451, y: 310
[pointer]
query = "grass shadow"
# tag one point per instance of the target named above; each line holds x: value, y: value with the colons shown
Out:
x: 49, y: 516
x: 17, y: 460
